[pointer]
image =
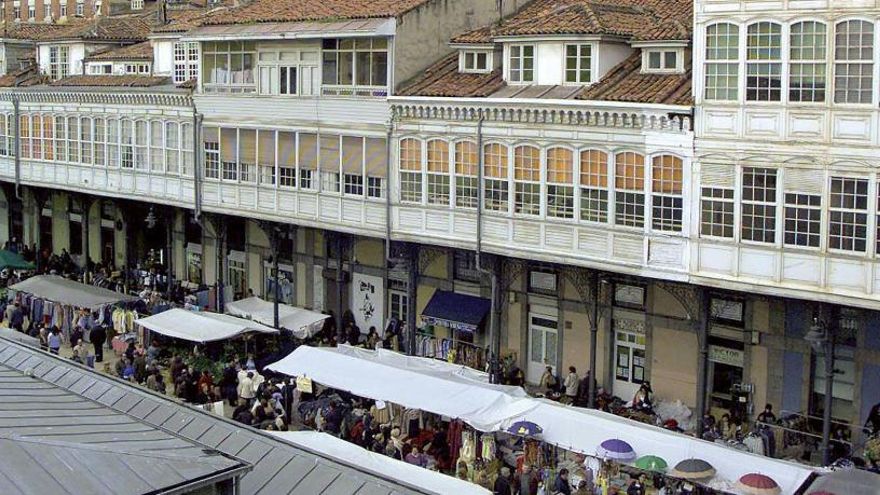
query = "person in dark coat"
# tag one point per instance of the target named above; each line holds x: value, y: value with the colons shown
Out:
x: 98, y: 336
x: 502, y: 483
x: 562, y: 485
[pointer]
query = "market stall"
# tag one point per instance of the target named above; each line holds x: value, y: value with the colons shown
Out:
x: 201, y: 326
x: 451, y: 328
x: 60, y: 290
x: 302, y: 322
x: 425, y: 480
x: 14, y: 261
x: 461, y: 393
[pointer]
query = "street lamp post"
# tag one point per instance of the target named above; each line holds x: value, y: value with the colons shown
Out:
x: 821, y: 341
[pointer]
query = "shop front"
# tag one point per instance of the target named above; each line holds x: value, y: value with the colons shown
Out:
x: 453, y: 329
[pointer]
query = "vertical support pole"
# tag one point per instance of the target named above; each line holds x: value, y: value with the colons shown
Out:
x: 495, y: 323
x: 221, y: 260
x: 411, y: 294
x: 277, y: 287
x: 594, y: 338
x: 702, y: 325
x: 169, y: 264
x: 340, y: 279
x: 86, y: 208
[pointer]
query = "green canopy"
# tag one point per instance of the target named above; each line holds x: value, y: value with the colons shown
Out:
x: 651, y: 463
x: 14, y: 261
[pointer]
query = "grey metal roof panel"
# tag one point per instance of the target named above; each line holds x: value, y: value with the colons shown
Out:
x: 279, y: 466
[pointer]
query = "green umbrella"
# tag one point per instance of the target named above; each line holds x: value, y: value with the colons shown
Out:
x: 651, y: 463
x: 14, y: 261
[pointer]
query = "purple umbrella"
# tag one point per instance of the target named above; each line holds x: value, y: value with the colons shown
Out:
x: 617, y: 450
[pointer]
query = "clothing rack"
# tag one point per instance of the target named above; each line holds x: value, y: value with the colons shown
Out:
x: 450, y: 350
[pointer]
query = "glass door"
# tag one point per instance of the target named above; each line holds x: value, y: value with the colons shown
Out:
x: 542, y: 345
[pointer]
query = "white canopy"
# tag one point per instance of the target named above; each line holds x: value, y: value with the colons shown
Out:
x: 462, y: 393
x: 421, y: 383
x: 200, y: 326
x: 302, y: 322
x: 421, y: 478
x: 69, y: 292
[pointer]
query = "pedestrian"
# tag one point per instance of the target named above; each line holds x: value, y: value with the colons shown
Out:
x: 548, y: 381
x: 140, y: 368
x: 502, y: 483
x: 98, y: 336
x: 561, y: 486
x: 767, y: 415
x: 527, y: 481
x: 637, y: 486
x: 872, y: 424
x: 16, y: 319
x: 54, y: 340
x: 571, y: 384
x: 127, y: 370
x: 246, y: 388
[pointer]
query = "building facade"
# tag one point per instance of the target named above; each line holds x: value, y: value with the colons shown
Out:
x: 669, y: 201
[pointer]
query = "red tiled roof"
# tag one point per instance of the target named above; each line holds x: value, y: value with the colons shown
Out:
x: 626, y: 82
x: 27, y: 76
x: 636, y: 19
x: 30, y: 30
x: 129, y: 81
x: 138, y: 51
x: 180, y: 21
x: 312, y: 10
x: 123, y: 28
x: 444, y: 79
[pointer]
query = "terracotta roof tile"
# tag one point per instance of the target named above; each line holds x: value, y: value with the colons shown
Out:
x: 138, y: 51
x: 444, y: 79
x: 635, y: 19
x: 26, y: 76
x: 123, y: 28
x: 30, y: 30
x: 180, y: 21
x: 313, y: 10
x: 129, y: 81
x: 626, y: 82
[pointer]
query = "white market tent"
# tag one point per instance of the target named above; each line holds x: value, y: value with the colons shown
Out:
x: 302, y: 322
x: 69, y: 292
x: 414, y: 382
x: 200, y: 326
x: 347, y: 452
x: 457, y: 392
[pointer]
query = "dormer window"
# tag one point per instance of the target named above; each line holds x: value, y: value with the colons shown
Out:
x: 579, y: 63
x: 476, y: 61
x: 521, y: 64
x: 663, y: 60
x: 137, y: 4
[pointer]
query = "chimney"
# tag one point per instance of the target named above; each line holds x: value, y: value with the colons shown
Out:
x: 162, y: 12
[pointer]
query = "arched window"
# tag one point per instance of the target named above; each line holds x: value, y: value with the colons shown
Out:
x: 496, y: 172
x: 157, y: 150
x: 629, y: 201
x: 410, y: 161
x: 466, y: 174
x: 438, y: 172
x: 527, y: 179
x: 853, y: 62
x: 100, y: 138
x: 85, y: 141
x: 73, y: 139
x: 722, y: 62
x: 594, y: 186
x: 560, y: 187
x: 807, y: 79
x: 764, y: 62
x: 666, y: 184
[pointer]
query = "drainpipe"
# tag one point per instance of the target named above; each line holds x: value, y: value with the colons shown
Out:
x: 495, y: 302
x: 16, y: 145
x: 197, y: 164
x: 388, y: 136
x: 169, y: 273
x: 594, y: 339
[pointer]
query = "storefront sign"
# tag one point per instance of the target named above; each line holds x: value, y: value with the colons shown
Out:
x: 367, y: 301
x: 724, y: 355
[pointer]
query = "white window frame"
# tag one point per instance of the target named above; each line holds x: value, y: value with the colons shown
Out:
x: 527, y: 192
x: 761, y: 65
x: 839, y: 211
x: 728, y: 65
x: 763, y: 204
x: 468, y: 61
x: 186, y: 61
x: 560, y: 193
x: 59, y: 61
x: 866, y: 65
x: 665, y: 203
x: 592, y: 62
x: 413, y: 178
x: 467, y: 187
x: 664, y: 53
x: 593, y: 205
x: 80, y: 9
x: 718, y: 200
x: 521, y: 71
x: 806, y: 62
x: 438, y: 185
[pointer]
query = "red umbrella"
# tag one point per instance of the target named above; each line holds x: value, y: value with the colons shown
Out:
x: 758, y: 484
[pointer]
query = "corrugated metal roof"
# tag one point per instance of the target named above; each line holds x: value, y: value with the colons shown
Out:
x: 294, y: 30
x: 107, y: 412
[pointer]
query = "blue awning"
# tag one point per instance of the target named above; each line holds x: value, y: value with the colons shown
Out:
x: 456, y: 311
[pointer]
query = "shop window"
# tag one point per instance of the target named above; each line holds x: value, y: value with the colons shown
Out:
x: 543, y: 282
x: 727, y: 311
x: 726, y: 362
x: 629, y: 296
x: 630, y: 357
x: 465, y: 266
